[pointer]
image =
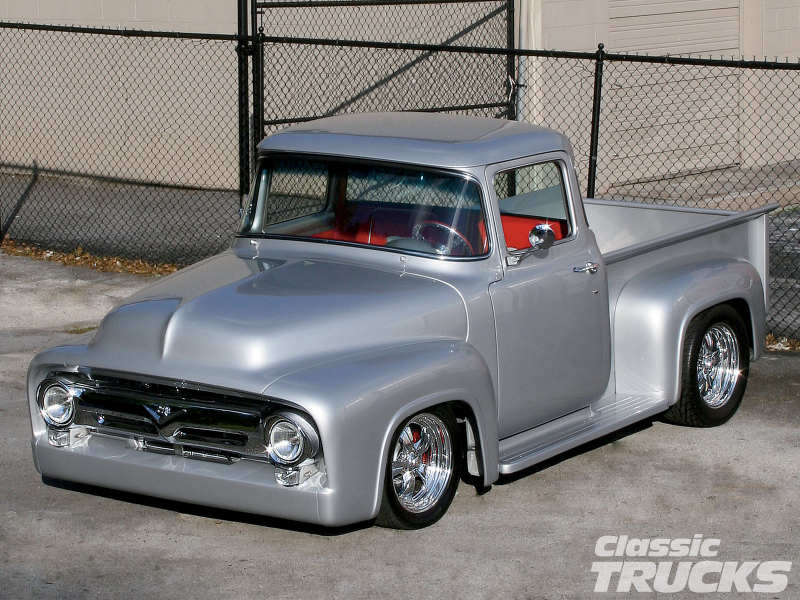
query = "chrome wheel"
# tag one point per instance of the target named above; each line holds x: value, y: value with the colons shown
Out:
x: 718, y: 365
x: 714, y: 368
x: 422, y: 463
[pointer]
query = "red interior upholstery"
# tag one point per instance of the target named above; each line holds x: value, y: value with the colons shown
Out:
x: 372, y: 231
x: 362, y: 235
x: 516, y: 229
x: 375, y: 231
x: 372, y: 225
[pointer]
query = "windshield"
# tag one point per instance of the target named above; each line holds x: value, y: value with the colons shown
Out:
x: 375, y: 205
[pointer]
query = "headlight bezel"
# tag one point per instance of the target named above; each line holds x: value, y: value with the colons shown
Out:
x: 307, y: 433
x: 56, y: 386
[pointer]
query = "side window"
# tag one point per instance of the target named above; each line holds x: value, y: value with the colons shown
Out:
x: 530, y: 196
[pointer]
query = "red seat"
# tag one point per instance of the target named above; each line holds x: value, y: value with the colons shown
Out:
x: 516, y: 229
x: 375, y: 225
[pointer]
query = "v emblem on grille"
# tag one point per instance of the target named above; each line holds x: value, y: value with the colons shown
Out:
x: 162, y: 413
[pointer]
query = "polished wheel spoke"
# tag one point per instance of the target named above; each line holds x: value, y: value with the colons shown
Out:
x: 421, y: 473
x: 407, y: 437
x: 718, y: 365
x: 409, y: 483
x: 703, y: 384
x: 422, y: 445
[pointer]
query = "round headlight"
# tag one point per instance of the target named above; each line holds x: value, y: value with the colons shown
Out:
x: 58, y: 405
x: 285, y: 441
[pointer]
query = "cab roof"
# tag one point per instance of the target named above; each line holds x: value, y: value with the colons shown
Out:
x: 434, y: 139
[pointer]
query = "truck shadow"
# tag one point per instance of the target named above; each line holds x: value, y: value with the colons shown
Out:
x: 583, y: 449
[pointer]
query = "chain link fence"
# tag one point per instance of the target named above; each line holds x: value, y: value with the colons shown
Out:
x: 720, y: 134
x: 126, y: 144
x: 136, y: 137
x: 333, y: 56
x: 710, y: 134
x: 369, y: 78
x: 482, y: 23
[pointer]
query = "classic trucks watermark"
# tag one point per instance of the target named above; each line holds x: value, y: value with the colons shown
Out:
x: 674, y: 565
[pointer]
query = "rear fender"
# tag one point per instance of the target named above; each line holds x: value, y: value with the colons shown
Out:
x: 654, y: 310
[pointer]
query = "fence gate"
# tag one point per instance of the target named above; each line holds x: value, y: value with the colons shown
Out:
x: 324, y: 57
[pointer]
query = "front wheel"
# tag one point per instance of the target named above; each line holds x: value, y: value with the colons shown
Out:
x: 716, y: 360
x: 422, y: 471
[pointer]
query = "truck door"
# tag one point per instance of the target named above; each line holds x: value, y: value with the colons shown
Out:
x: 551, y: 306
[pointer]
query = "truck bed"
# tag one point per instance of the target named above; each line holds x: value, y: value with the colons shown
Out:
x: 635, y: 237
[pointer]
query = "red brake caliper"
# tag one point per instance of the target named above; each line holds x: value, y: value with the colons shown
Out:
x: 415, y: 435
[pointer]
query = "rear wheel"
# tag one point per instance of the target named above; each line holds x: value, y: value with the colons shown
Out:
x: 422, y: 471
x: 716, y: 360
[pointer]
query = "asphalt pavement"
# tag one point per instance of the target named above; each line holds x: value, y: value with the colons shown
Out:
x: 536, y: 535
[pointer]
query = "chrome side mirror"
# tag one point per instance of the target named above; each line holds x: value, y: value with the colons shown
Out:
x: 542, y: 237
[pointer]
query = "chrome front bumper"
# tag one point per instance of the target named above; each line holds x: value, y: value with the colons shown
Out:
x: 244, y: 485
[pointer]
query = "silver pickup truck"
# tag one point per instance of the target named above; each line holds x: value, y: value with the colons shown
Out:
x: 410, y: 300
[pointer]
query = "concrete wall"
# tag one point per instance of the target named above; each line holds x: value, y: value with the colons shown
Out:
x: 161, y: 110
x: 771, y: 29
x: 204, y: 16
x: 666, y: 121
x: 571, y: 24
x: 782, y: 28
x: 767, y: 27
x: 738, y: 107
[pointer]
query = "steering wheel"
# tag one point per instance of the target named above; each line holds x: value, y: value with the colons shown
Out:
x: 457, y: 239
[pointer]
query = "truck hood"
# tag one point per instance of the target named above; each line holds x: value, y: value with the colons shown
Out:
x: 245, y: 322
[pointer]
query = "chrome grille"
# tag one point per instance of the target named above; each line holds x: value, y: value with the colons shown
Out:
x: 173, y: 417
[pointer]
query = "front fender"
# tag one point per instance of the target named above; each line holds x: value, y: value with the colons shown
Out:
x: 358, y: 402
x: 653, y: 313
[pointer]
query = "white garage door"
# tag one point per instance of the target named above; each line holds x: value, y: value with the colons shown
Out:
x: 674, y: 26
x: 662, y: 120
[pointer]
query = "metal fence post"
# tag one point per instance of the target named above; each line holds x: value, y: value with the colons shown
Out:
x: 258, y: 75
x: 244, y: 104
x: 598, y: 88
x: 510, y: 63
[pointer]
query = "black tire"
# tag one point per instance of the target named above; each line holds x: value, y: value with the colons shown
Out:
x: 711, y: 392
x: 417, y: 508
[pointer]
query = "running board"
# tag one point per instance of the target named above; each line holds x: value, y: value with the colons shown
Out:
x: 530, y: 447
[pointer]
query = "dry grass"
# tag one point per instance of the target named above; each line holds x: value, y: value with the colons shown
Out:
x: 79, y: 330
x: 782, y: 344
x: 79, y: 258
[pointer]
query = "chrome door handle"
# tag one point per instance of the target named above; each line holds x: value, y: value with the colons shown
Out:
x: 590, y: 268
